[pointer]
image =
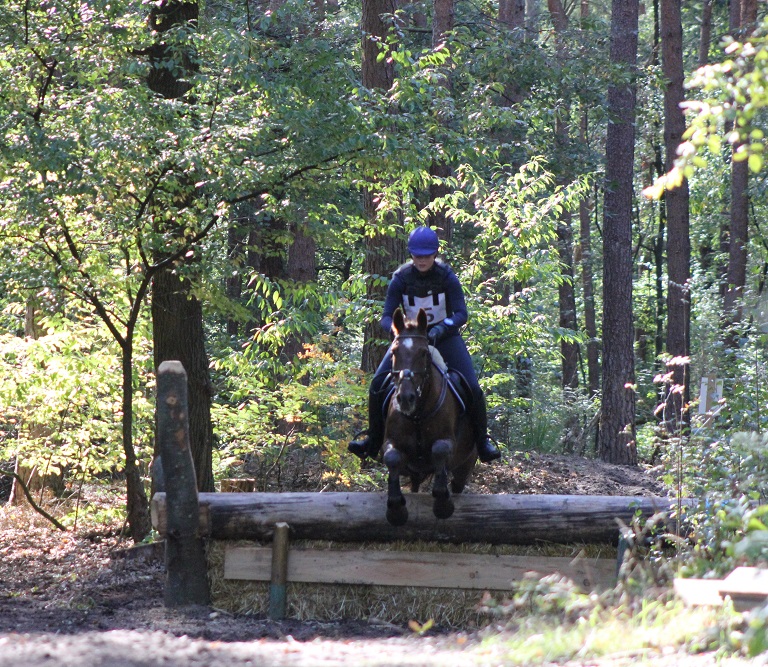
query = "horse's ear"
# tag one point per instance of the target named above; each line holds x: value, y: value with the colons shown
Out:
x: 421, y: 320
x: 398, y: 321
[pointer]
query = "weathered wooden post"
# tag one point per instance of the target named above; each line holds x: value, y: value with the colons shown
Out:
x: 278, y: 582
x: 186, y: 567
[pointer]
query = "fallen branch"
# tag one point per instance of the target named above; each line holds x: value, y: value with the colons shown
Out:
x: 31, y: 500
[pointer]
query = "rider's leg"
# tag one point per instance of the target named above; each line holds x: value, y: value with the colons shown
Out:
x: 456, y: 355
x: 370, y: 445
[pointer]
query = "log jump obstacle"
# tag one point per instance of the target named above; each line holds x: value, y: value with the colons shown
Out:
x: 355, y: 518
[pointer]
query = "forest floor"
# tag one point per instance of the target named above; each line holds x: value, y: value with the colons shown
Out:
x: 75, y: 598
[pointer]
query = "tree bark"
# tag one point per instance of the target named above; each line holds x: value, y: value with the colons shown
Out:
x: 569, y: 351
x: 588, y: 288
x: 678, y: 229
x: 705, y: 35
x: 736, y: 274
x: 443, y: 16
x: 177, y: 322
x: 177, y: 315
x: 301, y: 268
x: 616, y: 442
x: 383, y: 252
x: 360, y: 517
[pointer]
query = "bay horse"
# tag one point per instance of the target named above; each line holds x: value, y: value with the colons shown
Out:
x: 427, y: 433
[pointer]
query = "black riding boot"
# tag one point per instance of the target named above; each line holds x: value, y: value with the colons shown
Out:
x: 486, y: 450
x: 374, y: 439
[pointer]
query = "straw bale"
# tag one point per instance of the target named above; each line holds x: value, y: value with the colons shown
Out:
x: 385, y: 604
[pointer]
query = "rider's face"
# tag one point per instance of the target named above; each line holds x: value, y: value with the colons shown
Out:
x: 423, y: 262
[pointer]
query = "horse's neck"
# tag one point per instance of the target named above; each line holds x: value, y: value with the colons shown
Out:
x: 434, y: 398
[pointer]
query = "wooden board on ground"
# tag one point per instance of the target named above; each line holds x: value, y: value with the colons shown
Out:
x: 747, y: 587
x: 422, y: 569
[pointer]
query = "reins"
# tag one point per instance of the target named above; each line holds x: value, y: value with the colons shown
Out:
x: 408, y: 373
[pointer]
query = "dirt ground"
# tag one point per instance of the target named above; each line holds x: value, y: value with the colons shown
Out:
x: 76, y: 599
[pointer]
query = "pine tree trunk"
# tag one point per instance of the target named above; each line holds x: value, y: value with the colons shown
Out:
x: 616, y: 443
x: 736, y: 274
x: 677, y: 208
x: 383, y: 252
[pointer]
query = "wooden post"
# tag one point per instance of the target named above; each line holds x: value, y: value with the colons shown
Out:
x: 277, y: 586
x: 186, y: 567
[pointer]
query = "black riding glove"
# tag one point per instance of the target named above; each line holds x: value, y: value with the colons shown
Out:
x: 437, y: 333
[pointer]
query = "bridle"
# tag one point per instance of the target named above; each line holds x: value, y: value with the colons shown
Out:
x: 408, y: 374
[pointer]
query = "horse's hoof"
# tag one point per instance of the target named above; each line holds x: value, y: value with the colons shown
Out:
x: 443, y: 508
x: 397, y: 516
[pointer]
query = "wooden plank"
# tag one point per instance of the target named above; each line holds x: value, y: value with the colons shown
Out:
x: 422, y: 569
x: 746, y: 586
x: 360, y: 517
x: 699, y: 592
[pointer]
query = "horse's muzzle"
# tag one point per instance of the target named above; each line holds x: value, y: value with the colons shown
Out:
x: 405, y: 400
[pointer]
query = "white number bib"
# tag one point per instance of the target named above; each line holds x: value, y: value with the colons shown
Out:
x: 434, y: 306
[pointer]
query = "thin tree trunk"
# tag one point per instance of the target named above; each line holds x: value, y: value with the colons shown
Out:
x: 705, y: 35
x: 443, y: 15
x: 616, y: 442
x: 383, y: 252
x: 588, y: 287
x: 677, y: 207
x: 569, y: 351
x: 736, y: 275
x: 587, y: 279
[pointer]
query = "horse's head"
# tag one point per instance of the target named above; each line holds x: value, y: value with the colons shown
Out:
x: 411, y: 361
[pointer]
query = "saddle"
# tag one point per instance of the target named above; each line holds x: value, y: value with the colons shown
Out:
x: 457, y: 383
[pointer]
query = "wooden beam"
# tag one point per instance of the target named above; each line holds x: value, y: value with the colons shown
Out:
x: 360, y: 517
x: 186, y: 574
x: 422, y: 569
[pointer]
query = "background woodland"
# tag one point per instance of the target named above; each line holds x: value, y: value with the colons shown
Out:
x: 230, y: 184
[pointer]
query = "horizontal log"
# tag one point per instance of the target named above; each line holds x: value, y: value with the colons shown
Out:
x: 418, y: 568
x: 360, y: 517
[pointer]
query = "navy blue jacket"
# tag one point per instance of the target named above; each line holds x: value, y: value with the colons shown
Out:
x: 438, y: 291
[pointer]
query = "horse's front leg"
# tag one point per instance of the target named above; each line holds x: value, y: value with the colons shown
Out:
x: 397, y: 513
x: 441, y: 453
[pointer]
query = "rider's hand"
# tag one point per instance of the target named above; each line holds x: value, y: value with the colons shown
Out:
x: 437, y: 333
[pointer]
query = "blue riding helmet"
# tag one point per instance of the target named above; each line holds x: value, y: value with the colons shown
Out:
x: 423, y: 241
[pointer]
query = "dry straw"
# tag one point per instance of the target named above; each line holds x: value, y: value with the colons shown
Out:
x: 386, y: 604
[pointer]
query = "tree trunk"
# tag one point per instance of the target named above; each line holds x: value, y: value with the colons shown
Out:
x: 301, y: 268
x: 177, y: 327
x: 177, y: 315
x: 705, y: 35
x: 383, y: 252
x: 616, y: 443
x: 442, y: 23
x: 569, y: 351
x: 587, y: 279
x: 677, y: 208
x: 137, y: 505
x: 736, y: 274
x: 588, y: 287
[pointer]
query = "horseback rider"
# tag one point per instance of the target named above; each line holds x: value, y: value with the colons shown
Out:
x: 429, y: 283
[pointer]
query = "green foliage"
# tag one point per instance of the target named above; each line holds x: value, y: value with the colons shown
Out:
x: 61, y: 413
